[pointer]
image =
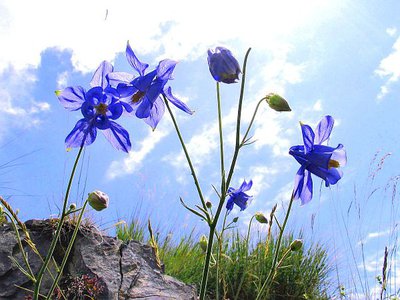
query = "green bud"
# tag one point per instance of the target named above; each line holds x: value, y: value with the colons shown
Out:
x: 261, y: 218
x: 72, y: 206
x: 208, y: 204
x: 98, y: 200
x: 235, y: 219
x: 203, y: 243
x: 296, y: 245
x: 277, y: 103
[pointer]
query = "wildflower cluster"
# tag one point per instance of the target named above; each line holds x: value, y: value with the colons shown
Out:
x: 145, y: 95
x: 113, y: 94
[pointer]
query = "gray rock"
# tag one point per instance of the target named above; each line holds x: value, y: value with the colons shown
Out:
x: 123, y: 271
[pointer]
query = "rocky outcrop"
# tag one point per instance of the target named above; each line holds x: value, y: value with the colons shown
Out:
x: 110, y: 268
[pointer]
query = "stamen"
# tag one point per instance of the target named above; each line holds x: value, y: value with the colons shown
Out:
x: 137, y: 97
x: 333, y: 164
x: 101, y: 109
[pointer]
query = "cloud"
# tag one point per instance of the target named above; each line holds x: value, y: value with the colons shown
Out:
x: 17, y: 102
x: 374, y: 235
x: 389, y: 69
x: 133, y: 161
x: 97, y: 30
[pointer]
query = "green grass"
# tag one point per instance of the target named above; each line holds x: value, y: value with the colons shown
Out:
x: 304, y: 274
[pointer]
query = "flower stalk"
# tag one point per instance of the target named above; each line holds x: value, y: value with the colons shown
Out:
x: 53, y: 244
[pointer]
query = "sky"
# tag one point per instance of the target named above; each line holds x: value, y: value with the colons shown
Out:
x: 333, y: 57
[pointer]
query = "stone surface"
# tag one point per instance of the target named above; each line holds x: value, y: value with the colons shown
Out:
x: 124, y: 271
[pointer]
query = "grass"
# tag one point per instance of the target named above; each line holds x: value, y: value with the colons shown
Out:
x: 243, y: 265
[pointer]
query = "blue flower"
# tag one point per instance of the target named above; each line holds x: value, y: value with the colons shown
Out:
x: 239, y: 197
x: 99, y: 106
x: 223, y: 66
x: 322, y: 161
x: 144, y: 92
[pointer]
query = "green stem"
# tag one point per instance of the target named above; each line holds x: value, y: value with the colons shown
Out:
x: 251, y: 123
x: 220, y: 239
x: 196, y: 182
x: 221, y: 140
x: 245, y: 261
x: 213, y: 224
x: 24, y: 257
x: 277, y: 248
x: 58, y: 231
x: 68, y: 251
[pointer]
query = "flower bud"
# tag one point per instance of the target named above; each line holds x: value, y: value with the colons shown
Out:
x: 203, y: 243
x: 223, y: 66
x: 296, y: 245
x: 277, y: 103
x: 98, y: 200
x: 72, y: 206
x: 235, y: 219
x: 261, y: 218
x: 208, y: 204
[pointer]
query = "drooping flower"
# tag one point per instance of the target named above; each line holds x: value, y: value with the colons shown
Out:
x: 238, y: 196
x: 320, y: 160
x: 100, y: 106
x: 144, y: 92
x: 223, y: 65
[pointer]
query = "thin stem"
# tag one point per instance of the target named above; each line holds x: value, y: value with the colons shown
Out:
x: 24, y: 257
x: 245, y: 261
x: 251, y: 122
x: 58, y: 231
x: 220, y: 239
x: 67, y: 251
x: 239, y: 116
x: 196, y: 182
x: 213, y: 224
x: 278, y: 245
x: 221, y: 139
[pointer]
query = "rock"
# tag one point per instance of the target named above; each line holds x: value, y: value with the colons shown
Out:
x: 114, y: 269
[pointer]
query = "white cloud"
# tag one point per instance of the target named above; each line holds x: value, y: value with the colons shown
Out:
x: 317, y: 106
x: 389, y: 68
x: 17, y: 102
x: 133, y: 161
x: 374, y: 235
x: 96, y: 30
x: 391, y: 31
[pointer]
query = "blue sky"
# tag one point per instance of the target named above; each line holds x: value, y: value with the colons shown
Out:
x: 325, y: 57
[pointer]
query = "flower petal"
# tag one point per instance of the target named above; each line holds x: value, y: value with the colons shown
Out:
x: 143, y: 109
x: 118, y: 137
x: 72, y: 98
x: 339, y: 154
x: 116, y: 78
x: 324, y: 129
x: 308, y: 137
x: 83, y: 134
x: 134, y: 61
x: 175, y: 101
x: 156, y: 113
x: 246, y: 186
x: 298, y: 183
x: 165, y: 69
x: 307, y: 191
x: 99, y: 77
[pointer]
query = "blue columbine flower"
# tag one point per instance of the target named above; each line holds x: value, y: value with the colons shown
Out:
x: 144, y: 92
x: 99, y: 106
x: 322, y: 161
x: 239, y: 197
x: 223, y: 66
